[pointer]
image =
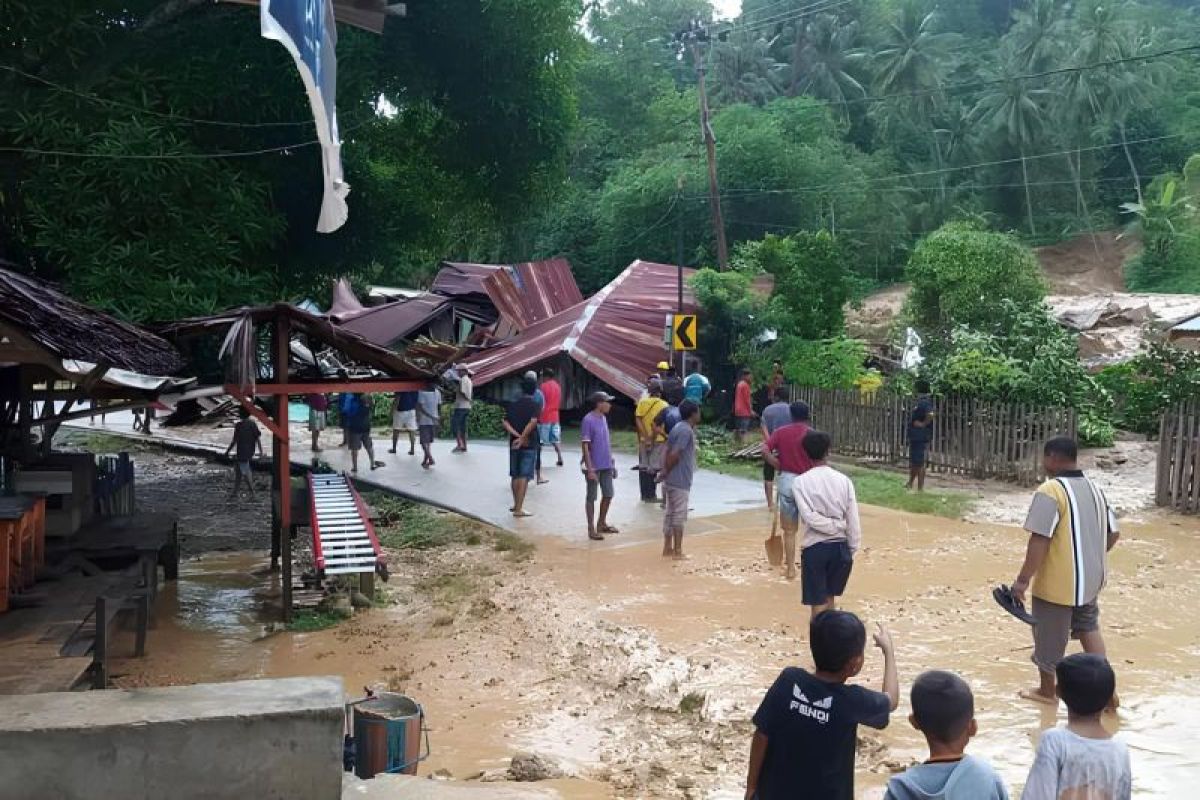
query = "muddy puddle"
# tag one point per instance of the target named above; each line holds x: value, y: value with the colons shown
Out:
x: 639, y: 675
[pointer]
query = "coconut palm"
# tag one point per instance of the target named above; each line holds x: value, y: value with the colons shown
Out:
x: 1014, y: 110
x: 826, y: 61
x: 744, y: 70
x: 1037, y: 34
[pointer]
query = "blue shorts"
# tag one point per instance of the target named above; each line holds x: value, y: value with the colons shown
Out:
x: 550, y: 432
x: 521, y: 463
x: 458, y: 421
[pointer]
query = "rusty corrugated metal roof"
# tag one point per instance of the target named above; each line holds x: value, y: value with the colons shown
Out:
x: 456, y: 279
x: 616, y: 335
x: 532, y: 291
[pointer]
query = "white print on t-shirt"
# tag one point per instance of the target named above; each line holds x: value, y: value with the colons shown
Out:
x: 818, y: 710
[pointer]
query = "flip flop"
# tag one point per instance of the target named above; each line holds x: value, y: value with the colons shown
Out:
x: 1004, y: 597
x: 595, y: 537
x: 607, y: 529
x: 522, y: 514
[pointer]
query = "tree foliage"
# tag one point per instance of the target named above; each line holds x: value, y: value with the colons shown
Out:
x: 960, y: 275
x: 480, y: 105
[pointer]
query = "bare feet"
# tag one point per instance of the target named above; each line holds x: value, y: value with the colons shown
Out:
x: 679, y: 556
x: 1036, y: 696
x: 606, y: 528
x: 595, y: 537
x: 790, y: 574
x: 668, y: 551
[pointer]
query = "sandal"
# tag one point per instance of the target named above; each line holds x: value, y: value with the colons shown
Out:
x: 607, y: 529
x: 596, y: 537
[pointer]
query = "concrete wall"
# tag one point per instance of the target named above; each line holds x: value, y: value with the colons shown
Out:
x: 249, y: 740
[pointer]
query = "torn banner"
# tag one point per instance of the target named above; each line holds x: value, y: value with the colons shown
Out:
x: 308, y: 31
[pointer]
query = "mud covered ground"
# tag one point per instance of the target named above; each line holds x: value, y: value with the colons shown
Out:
x: 637, y: 677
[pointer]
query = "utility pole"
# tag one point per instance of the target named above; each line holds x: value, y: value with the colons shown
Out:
x: 695, y: 35
x: 679, y: 261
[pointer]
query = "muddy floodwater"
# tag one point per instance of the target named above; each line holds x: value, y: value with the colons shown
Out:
x: 639, y: 676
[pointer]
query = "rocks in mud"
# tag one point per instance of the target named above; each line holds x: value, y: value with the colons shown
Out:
x: 360, y: 600
x: 530, y: 767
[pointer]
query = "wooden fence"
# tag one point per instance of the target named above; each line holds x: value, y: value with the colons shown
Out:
x: 976, y: 438
x: 1177, y: 482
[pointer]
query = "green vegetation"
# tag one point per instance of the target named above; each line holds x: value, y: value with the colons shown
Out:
x: 406, y: 525
x: 1142, y: 389
x: 447, y: 589
x: 484, y: 422
x: 886, y: 489
x: 518, y: 549
x: 309, y: 621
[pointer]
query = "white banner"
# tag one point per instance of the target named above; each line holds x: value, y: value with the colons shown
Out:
x: 308, y: 31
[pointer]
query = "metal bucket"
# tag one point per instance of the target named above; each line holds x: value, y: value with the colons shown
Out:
x: 387, y: 735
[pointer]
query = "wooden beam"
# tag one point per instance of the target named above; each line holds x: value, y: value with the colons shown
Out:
x: 318, y: 387
x: 259, y: 415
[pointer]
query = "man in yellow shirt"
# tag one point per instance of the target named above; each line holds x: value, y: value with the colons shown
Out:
x: 1071, y: 529
x: 651, y: 441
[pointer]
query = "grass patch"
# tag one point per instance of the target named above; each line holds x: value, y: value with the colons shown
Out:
x: 473, y: 539
x: 624, y: 440
x: 446, y: 590
x: 691, y: 703
x: 308, y: 621
x: 405, y: 525
x: 880, y: 488
x: 517, y: 548
x: 103, y: 442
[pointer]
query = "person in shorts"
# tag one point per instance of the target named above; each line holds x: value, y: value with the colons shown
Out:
x: 679, y: 469
x: 318, y: 407
x: 464, y: 392
x: 1071, y: 529
x: 784, y: 451
x: 358, y: 433
x: 651, y: 439
x: 598, y: 466
x: 247, y: 439
x: 832, y: 533
x: 549, y: 421
x: 429, y: 417
x: 404, y: 420
x: 920, y: 434
x: 743, y: 407
x: 520, y: 420
x: 774, y: 417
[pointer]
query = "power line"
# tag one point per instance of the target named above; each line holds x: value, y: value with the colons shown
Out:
x: 142, y: 109
x: 981, y: 164
x: 819, y: 7
x: 855, y: 190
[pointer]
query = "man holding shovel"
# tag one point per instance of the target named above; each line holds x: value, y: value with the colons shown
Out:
x: 784, y: 452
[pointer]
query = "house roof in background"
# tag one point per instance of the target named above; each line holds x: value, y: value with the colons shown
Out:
x: 532, y: 291
x: 456, y: 279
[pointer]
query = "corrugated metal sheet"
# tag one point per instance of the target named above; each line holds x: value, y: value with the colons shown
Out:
x: 616, y: 335
x: 456, y: 279
x: 1187, y: 326
x: 390, y: 322
x: 532, y: 291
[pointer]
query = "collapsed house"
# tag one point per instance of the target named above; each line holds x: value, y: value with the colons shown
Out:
x: 613, y: 339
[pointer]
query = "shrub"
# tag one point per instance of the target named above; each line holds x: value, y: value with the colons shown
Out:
x: 485, y: 421
x: 828, y: 364
x: 1146, y: 386
x: 961, y: 273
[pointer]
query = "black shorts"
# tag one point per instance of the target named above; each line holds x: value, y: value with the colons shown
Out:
x: 824, y: 572
x: 768, y: 472
x: 916, y: 456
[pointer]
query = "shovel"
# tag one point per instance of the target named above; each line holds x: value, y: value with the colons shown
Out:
x: 774, y: 543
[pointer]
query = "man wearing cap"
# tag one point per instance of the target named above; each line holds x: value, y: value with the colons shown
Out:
x: 784, y: 451
x: 463, y: 394
x: 672, y: 386
x: 598, y: 464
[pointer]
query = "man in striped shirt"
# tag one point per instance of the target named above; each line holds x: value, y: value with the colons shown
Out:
x: 1071, y: 529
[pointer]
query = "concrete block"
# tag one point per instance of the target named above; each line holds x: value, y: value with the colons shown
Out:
x: 265, y: 739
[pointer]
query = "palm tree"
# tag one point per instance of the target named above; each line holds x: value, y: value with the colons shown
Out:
x: 1037, y: 34
x: 825, y: 61
x: 912, y: 60
x: 1158, y: 220
x: 744, y: 70
x: 1015, y: 111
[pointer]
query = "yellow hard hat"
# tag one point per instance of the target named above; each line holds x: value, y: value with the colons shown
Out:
x: 663, y: 365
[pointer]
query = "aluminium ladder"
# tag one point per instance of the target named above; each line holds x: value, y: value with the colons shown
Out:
x: 343, y: 536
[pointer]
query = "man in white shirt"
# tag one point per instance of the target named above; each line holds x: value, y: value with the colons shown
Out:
x: 832, y: 533
x: 463, y: 394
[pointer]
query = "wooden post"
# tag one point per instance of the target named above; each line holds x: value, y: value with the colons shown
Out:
x: 1164, y: 460
x: 283, y: 464
x: 100, y: 648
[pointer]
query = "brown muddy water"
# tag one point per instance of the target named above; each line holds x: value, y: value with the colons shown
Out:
x: 640, y: 675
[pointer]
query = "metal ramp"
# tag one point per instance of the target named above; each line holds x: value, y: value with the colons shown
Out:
x: 343, y: 536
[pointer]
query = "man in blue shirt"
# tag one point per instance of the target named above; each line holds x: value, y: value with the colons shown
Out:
x: 696, y: 387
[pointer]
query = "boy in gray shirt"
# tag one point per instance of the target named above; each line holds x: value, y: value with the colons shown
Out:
x: 679, y: 469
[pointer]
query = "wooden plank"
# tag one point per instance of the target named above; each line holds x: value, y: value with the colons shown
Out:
x: 1163, y: 470
x: 1177, y: 461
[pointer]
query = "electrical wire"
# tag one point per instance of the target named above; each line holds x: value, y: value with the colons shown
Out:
x: 945, y: 170
x: 143, y: 110
x: 819, y: 7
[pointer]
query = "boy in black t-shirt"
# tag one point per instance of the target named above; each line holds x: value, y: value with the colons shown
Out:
x: 807, y: 725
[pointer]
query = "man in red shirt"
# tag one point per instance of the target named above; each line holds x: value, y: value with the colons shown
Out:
x: 743, y: 411
x: 549, y: 428
x: 785, y: 452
